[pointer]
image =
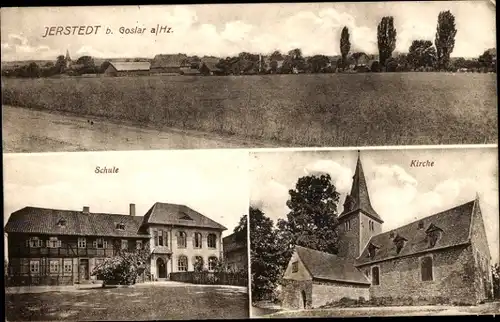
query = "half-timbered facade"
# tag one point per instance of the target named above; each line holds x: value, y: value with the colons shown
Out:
x: 62, y: 247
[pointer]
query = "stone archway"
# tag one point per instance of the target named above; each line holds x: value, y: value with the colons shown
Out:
x: 161, y: 268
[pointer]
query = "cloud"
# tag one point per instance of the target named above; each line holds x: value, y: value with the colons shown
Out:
x: 341, y: 175
x: 271, y: 197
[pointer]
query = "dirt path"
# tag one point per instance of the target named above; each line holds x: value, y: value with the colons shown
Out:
x: 27, y: 130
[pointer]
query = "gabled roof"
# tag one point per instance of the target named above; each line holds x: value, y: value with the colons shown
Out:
x: 359, y: 195
x: 454, y: 223
x: 327, y: 266
x: 162, y: 61
x: 181, y: 215
x: 33, y: 220
x: 211, y: 65
x: 131, y: 66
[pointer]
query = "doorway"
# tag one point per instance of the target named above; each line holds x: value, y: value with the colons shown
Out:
x: 304, y: 300
x: 84, y: 269
x: 161, y: 268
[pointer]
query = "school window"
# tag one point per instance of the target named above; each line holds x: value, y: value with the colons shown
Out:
x: 100, y: 243
x: 426, y: 268
x: 34, y: 266
x: 155, y: 233
x: 212, y: 263
x: 54, y: 242
x: 197, y: 240
x: 375, y: 276
x: 35, y: 242
x: 160, y: 238
x: 82, y: 242
x: 212, y: 241
x: 182, y: 264
x: 54, y: 266
x: 124, y: 244
x: 181, y: 239
x: 68, y: 266
x: 138, y: 244
x: 295, y: 267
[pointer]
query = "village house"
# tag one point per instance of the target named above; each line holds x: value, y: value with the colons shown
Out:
x: 62, y: 247
x: 169, y: 64
x: 235, y: 252
x: 127, y: 69
x: 445, y: 255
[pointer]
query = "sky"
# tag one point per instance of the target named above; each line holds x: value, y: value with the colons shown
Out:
x: 228, y: 29
x: 399, y: 193
x: 212, y: 183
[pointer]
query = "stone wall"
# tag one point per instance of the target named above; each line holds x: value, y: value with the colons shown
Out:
x: 291, y: 294
x: 453, y: 277
x: 349, y: 240
x: 325, y: 292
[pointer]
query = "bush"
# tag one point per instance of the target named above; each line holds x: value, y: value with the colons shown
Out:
x: 391, y: 66
x: 122, y: 269
x: 375, y: 67
x: 496, y: 280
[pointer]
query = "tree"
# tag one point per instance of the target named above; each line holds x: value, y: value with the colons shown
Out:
x: 318, y: 63
x: 32, y: 70
x: 104, y: 66
x: 123, y: 268
x: 445, y: 38
x: 496, y: 280
x: 265, y: 255
x: 386, y: 38
x: 345, y: 45
x: 240, y: 230
x: 422, y: 54
x: 60, y: 65
x: 312, y: 219
x: 296, y: 59
x: 375, y: 67
x: 487, y: 59
x: 276, y: 55
x: 273, y: 66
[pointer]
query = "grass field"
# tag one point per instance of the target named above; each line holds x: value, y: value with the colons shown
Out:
x: 147, y: 302
x: 312, y: 110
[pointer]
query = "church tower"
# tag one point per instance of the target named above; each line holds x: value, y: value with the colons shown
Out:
x: 67, y: 59
x: 358, y: 222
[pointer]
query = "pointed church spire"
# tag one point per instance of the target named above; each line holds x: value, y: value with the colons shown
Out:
x: 359, y: 198
x: 68, y: 58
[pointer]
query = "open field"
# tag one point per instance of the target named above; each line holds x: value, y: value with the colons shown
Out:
x: 312, y: 110
x: 482, y: 309
x: 29, y: 130
x: 159, y: 301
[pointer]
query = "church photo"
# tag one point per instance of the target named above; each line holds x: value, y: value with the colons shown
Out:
x: 353, y: 233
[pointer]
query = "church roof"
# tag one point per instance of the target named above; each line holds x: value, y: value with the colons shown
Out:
x: 327, y: 266
x: 181, y: 215
x: 359, y: 195
x: 454, y: 225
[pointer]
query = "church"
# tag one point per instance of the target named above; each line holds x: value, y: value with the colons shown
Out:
x: 445, y: 255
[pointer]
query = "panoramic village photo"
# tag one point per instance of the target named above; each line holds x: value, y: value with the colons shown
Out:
x: 126, y: 236
x: 248, y: 75
x: 374, y: 233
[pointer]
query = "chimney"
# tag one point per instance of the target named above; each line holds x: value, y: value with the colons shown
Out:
x: 86, y: 209
x: 132, y: 209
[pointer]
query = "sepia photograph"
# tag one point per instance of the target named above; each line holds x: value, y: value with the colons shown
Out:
x: 248, y: 76
x: 131, y: 235
x: 349, y: 233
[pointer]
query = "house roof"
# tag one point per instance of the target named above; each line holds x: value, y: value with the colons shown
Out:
x: 33, y: 220
x: 359, y: 195
x: 181, y: 215
x: 454, y: 224
x: 211, y: 65
x: 161, y: 250
x: 162, y: 61
x: 131, y: 66
x: 327, y: 266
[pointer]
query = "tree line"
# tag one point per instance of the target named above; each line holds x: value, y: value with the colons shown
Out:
x: 422, y: 55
